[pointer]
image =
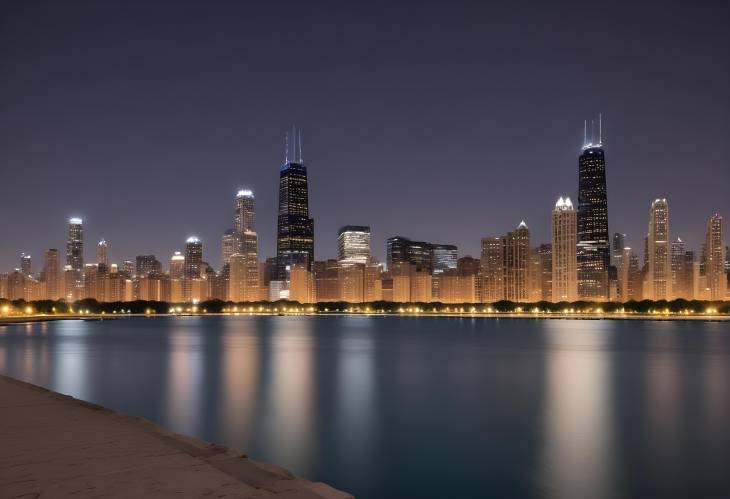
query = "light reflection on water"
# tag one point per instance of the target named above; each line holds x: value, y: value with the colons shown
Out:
x: 418, y: 407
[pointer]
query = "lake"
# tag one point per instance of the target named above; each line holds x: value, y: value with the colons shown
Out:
x: 418, y: 407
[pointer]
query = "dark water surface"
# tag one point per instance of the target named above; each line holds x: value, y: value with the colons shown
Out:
x: 404, y: 407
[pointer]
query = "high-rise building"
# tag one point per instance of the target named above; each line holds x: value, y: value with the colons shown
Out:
x: 492, y: 269
x: 128, y: 268
x: 564, y: 251
x: 353, y: 245
x: 295, y: 228
x: 326, y: 280
x: 444, y: 257
x: 193, y: 258
x: 516, y: 258
x: 229, y: 245
x: 715, y: 259
x: 51, y: 274
x: 245, y: 214
x: 618, y: 243
x: 237, y: 279
x: 177, y: 276
x: 658, y: 282
x: 681, y: 274
x: 623, y: 281
x: 301, y: 285
x: 401, y: 249
x: 147, y: 264
x: 75, y: 255
x: 545, y: 252
x: 593, y: 245
x: 26, y: 265
x: 102, y: 253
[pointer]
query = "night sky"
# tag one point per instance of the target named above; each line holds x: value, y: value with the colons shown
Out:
x: 440, y: 121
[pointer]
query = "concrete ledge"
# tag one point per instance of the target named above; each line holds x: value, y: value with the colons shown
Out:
x: 54, y: 445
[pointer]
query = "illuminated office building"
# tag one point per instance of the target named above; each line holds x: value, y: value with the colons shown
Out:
x: 658, y: 280
x: 715, y: 259
x: 564, y: 252
x: 353, y: 245
x: 295, y: 228
x: 593, y: 246
x: 75, y: 255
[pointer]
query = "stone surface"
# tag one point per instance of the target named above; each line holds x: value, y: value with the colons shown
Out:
x: 53, y: 445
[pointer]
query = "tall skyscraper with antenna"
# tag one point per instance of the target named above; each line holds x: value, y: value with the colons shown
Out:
x: 594, y: 256
x: 295, y: 228
x: 75, y: 253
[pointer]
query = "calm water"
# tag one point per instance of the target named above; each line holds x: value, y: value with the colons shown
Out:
x: 399, y: 407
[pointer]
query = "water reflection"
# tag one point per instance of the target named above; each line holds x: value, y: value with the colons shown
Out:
x: 70, y: 373
x: 578, y: 416
x: 239, y: 379
x: 290, y: 398
x: 184, y: 385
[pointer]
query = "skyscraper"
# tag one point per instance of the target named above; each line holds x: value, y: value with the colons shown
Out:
x: 193, y: 258
x: 51, y: 274
x: 228, y: 245
x: 445, y: 257
x: 295, y: 229
x: 245, y: 214
x: 492, y: 269
x: 75, y: 255
x: 353, y: 244
x: 715, y: 259
x: 681, y: 278
x: 401, y: 249
x: 177, y: 275
x: 147, y: 264
x: 26, y: 264
x: 516, y: 254
x: 658, y: 284
x: 593, y: 245
x: 564, y: 247
x: 102, y: 253
x: 545, y: 252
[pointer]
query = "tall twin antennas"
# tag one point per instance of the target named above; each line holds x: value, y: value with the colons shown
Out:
x: 592, y: 142
x: 296, y: 146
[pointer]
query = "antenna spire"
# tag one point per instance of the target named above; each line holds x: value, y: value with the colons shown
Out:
x: 600, y: 131
x: 585, y: 133
x: 286, y: 147
x: 301, y: 161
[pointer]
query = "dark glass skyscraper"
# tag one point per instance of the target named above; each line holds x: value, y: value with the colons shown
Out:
x: 75, y: 250
x: 401, y: 249
x: 294, y: 229
x: 594, y: 256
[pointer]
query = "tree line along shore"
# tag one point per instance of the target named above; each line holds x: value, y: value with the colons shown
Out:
x: 677, y: 307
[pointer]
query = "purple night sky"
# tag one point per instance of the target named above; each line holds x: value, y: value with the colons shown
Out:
x: 443, y: 121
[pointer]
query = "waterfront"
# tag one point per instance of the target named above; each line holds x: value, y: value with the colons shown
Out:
x: 417, y: 407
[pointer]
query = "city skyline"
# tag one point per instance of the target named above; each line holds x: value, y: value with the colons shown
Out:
x: 212, y: 251
x: 465, y: 111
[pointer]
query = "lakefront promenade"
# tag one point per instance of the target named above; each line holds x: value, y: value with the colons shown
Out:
x: 54, y: 445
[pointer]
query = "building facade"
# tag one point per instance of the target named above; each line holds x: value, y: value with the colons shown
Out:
x: 593, y: 244
x: 658, y: 280
x: 564, y: 252
x: 353, y: 245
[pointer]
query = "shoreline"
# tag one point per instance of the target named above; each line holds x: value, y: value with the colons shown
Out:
x: 62, y: 446
x: 464, y: 315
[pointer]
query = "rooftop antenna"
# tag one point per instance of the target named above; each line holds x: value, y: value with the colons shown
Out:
x: 301, y: 161
x: 286, y: 147
x: 600, y: 131
x: 585, y: 133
